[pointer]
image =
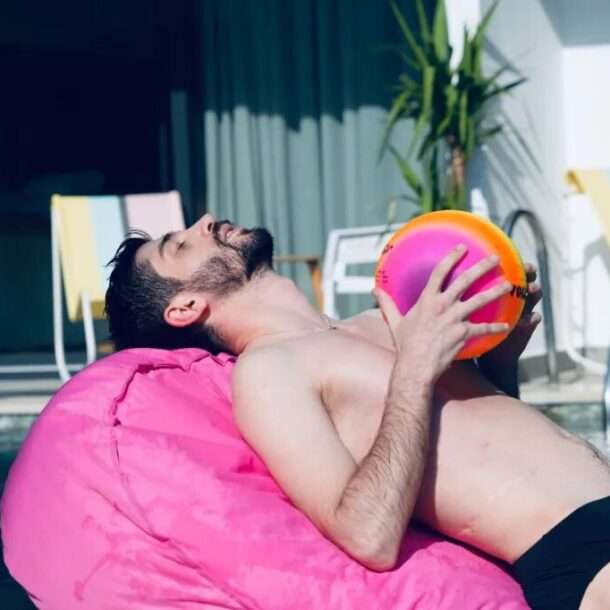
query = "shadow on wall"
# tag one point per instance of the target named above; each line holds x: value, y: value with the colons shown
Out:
x: 579, y: 23
x: 507, y: 170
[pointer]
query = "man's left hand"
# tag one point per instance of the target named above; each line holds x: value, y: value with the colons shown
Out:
x: 507, y: 353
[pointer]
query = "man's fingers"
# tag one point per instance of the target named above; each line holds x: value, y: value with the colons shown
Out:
x: 529, y: 320
x: 535, y: 292
x: 535, y: 318
x: 533, y: 297
x: 483, y: 298
x: 388, y: 308
x: 460, y: 333
x: 441, y: 271
x: 491, y: 328
x: 531, y: 273
x: 461, y: 284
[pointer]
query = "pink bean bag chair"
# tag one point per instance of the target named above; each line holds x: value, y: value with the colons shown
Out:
x: 134, y: 490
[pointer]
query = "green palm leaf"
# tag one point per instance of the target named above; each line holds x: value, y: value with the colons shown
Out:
x: 471, y: 138
x: 463, y: 120
x: 465, y: 66
x: 398, y: 107
x: 441, y: 38
x: 408, y: 173
x: 426, y: 107
x: 448, y: 106
x: 424, y: 26
x: 408, y: 34
x: 451, y: 98
x: 483, y: 25
x: 427, y: 202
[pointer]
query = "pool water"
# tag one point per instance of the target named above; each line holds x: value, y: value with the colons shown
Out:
x: 584, y: 419
x: 13, y: 429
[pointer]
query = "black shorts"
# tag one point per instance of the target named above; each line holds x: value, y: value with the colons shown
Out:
x: 556, y: 571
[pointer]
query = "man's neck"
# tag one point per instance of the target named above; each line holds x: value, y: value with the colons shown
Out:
x: 268, y: 309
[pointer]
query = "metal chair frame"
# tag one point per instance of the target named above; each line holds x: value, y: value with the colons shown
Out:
x: 58, y: 323
x: 367, y: 244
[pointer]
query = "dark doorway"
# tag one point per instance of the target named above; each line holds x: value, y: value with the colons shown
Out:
x: 85, y: 109
x: 68, y: 113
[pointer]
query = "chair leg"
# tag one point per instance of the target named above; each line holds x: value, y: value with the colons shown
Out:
x: 89, y: 329
x: 58, y: 323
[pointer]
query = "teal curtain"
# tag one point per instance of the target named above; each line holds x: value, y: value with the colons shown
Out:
x: 294, y: 96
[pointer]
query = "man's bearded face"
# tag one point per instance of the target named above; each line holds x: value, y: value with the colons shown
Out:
x: 240, y: 255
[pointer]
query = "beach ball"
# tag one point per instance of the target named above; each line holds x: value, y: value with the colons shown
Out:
x: 416, y: 248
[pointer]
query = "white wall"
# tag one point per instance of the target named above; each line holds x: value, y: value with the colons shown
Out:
x: 563, y: 114
x: 587, y: 146
x: 587, y: 276
x: 522, y: 34
x: 586, y: 93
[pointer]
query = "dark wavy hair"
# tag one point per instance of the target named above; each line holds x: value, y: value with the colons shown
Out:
x: 136, y: 299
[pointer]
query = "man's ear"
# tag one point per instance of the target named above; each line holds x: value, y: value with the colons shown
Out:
x: 185, y: 309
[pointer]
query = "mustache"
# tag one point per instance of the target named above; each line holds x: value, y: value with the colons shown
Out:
x: 219, y: 242
x: 217, y: 226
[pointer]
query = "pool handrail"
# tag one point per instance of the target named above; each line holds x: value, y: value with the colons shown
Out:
x: 545, y: 281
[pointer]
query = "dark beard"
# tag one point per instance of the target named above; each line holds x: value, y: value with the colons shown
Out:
x: 257, y: 251
x: 237, y: 264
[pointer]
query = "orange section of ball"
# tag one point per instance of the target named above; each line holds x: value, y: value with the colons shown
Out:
x: 426, y: 239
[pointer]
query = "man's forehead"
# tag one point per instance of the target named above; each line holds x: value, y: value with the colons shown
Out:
x: 147, y: 251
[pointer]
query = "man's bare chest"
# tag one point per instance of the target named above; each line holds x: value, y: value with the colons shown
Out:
x: 354, y: 377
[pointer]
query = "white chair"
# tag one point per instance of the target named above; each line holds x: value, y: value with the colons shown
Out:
x: 347, y: 247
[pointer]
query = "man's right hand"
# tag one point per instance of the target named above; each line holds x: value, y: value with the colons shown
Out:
x: 436, y: 328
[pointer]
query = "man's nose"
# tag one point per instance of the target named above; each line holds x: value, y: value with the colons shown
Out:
x: 205, y: 225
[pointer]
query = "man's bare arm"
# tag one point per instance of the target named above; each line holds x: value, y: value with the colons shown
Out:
x: 363, y: 508
x: 382, y: 493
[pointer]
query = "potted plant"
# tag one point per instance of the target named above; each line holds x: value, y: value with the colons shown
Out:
x: 447, y: 100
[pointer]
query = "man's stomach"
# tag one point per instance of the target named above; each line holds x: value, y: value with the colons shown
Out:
x: 500, y: 474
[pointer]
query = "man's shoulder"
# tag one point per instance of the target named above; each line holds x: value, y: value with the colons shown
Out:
x: 266, y: 377
x: 265, y: 363
x: 370, y: 326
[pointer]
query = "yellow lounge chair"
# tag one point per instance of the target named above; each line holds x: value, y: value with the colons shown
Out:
x: 596, y: 185
x: 85, y: 233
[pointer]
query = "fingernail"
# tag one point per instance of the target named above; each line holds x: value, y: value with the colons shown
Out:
x: 460, y: 247
x: 494, y: 258
x: 536, y: 317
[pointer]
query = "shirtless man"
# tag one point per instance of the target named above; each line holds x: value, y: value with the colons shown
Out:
x: 366, y: 424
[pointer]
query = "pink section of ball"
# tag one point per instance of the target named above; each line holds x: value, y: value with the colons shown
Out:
x: 406, y: 268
